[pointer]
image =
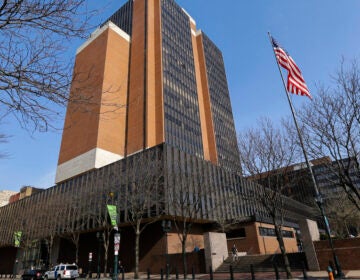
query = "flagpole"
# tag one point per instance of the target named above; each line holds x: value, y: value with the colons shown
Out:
x: 318, y: 197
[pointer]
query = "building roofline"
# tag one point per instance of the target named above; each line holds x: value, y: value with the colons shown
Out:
x: 102, y: 29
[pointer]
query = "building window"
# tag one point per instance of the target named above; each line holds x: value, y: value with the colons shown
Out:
x: 239, y: 233
x: 271, y: 232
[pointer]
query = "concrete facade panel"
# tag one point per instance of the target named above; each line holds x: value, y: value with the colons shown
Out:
x: 215, y: 249
x: 95, y: 158
x: 309, y: 233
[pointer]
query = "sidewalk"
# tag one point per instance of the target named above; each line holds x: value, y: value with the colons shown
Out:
x: 312, y: 275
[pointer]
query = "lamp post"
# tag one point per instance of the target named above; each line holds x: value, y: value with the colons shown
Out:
x: 15, y: 268
x: 100, y: 240
x: 114, y: 217
x: 166, y: 226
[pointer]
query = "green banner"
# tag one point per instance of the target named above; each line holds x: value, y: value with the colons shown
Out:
x: 112, y: 213
x: 17, y: 238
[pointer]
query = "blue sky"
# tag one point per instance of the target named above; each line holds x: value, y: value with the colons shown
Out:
x: 317, y: 33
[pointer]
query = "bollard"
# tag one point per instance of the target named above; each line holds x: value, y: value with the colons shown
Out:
x: 193, y: 272
x: 304, y: 270
x: 330, y: 273
x: 122, y: 274
x: 211, y: 273
x: 252, y: 272
x: 276, y: 271
x: 231, y: 273
x: 148, y: 273
x: 176, y: 273
x: 161, y: 274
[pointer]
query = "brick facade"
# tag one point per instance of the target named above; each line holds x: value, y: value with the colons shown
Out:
x: 254, y: 243
x: 347, y: 251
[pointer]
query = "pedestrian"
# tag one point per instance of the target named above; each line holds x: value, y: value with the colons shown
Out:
x: 234, y: 252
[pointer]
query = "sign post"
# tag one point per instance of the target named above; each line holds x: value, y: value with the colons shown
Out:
x: 114, y: 221
x: 17, y: 243
x: 90, y: 260
x: 116, y: 250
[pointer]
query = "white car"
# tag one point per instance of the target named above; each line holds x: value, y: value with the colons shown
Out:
x: 62, y: 271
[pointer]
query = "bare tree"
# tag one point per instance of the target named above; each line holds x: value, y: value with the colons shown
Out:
x: 343, y: 216
x: 187, y: 198
x: 46, y: 213
x: 332, y: 128
x: 34, y: 76
x: 266, y: 154
x: 76, y: 212
x: 143, y: 198
x: 3, y: 139
x: 101, y: 217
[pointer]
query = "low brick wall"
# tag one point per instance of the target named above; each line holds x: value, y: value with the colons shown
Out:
x: 347, y: 251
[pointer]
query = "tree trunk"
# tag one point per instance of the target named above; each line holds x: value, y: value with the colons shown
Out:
x: 137, y: 239
x: 280, y: 240
x: 77, y: 254
x: 50, y: 245
x: 183, y: 249
x: 106, y: 238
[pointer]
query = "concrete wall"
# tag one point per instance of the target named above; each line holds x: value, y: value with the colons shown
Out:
x: 309, y: 233
x: 215, y: 249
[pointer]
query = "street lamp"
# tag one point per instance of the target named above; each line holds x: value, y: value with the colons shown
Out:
x: 166, y: 226
x: 319, y: 202
x: 100, y: 240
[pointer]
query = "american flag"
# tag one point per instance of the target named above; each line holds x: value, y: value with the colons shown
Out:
x: 295, y: 81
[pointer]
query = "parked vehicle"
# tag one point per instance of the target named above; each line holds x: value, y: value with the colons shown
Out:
x: 33, y: 274
x: 62, y: 271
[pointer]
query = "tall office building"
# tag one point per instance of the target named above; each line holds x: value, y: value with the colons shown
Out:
x: 147, y: 76
x: 149, y: 116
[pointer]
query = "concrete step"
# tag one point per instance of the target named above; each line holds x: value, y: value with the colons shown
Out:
x: 262, y: 263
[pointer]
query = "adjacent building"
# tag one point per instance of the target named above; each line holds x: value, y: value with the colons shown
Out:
x: 5, y: 196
